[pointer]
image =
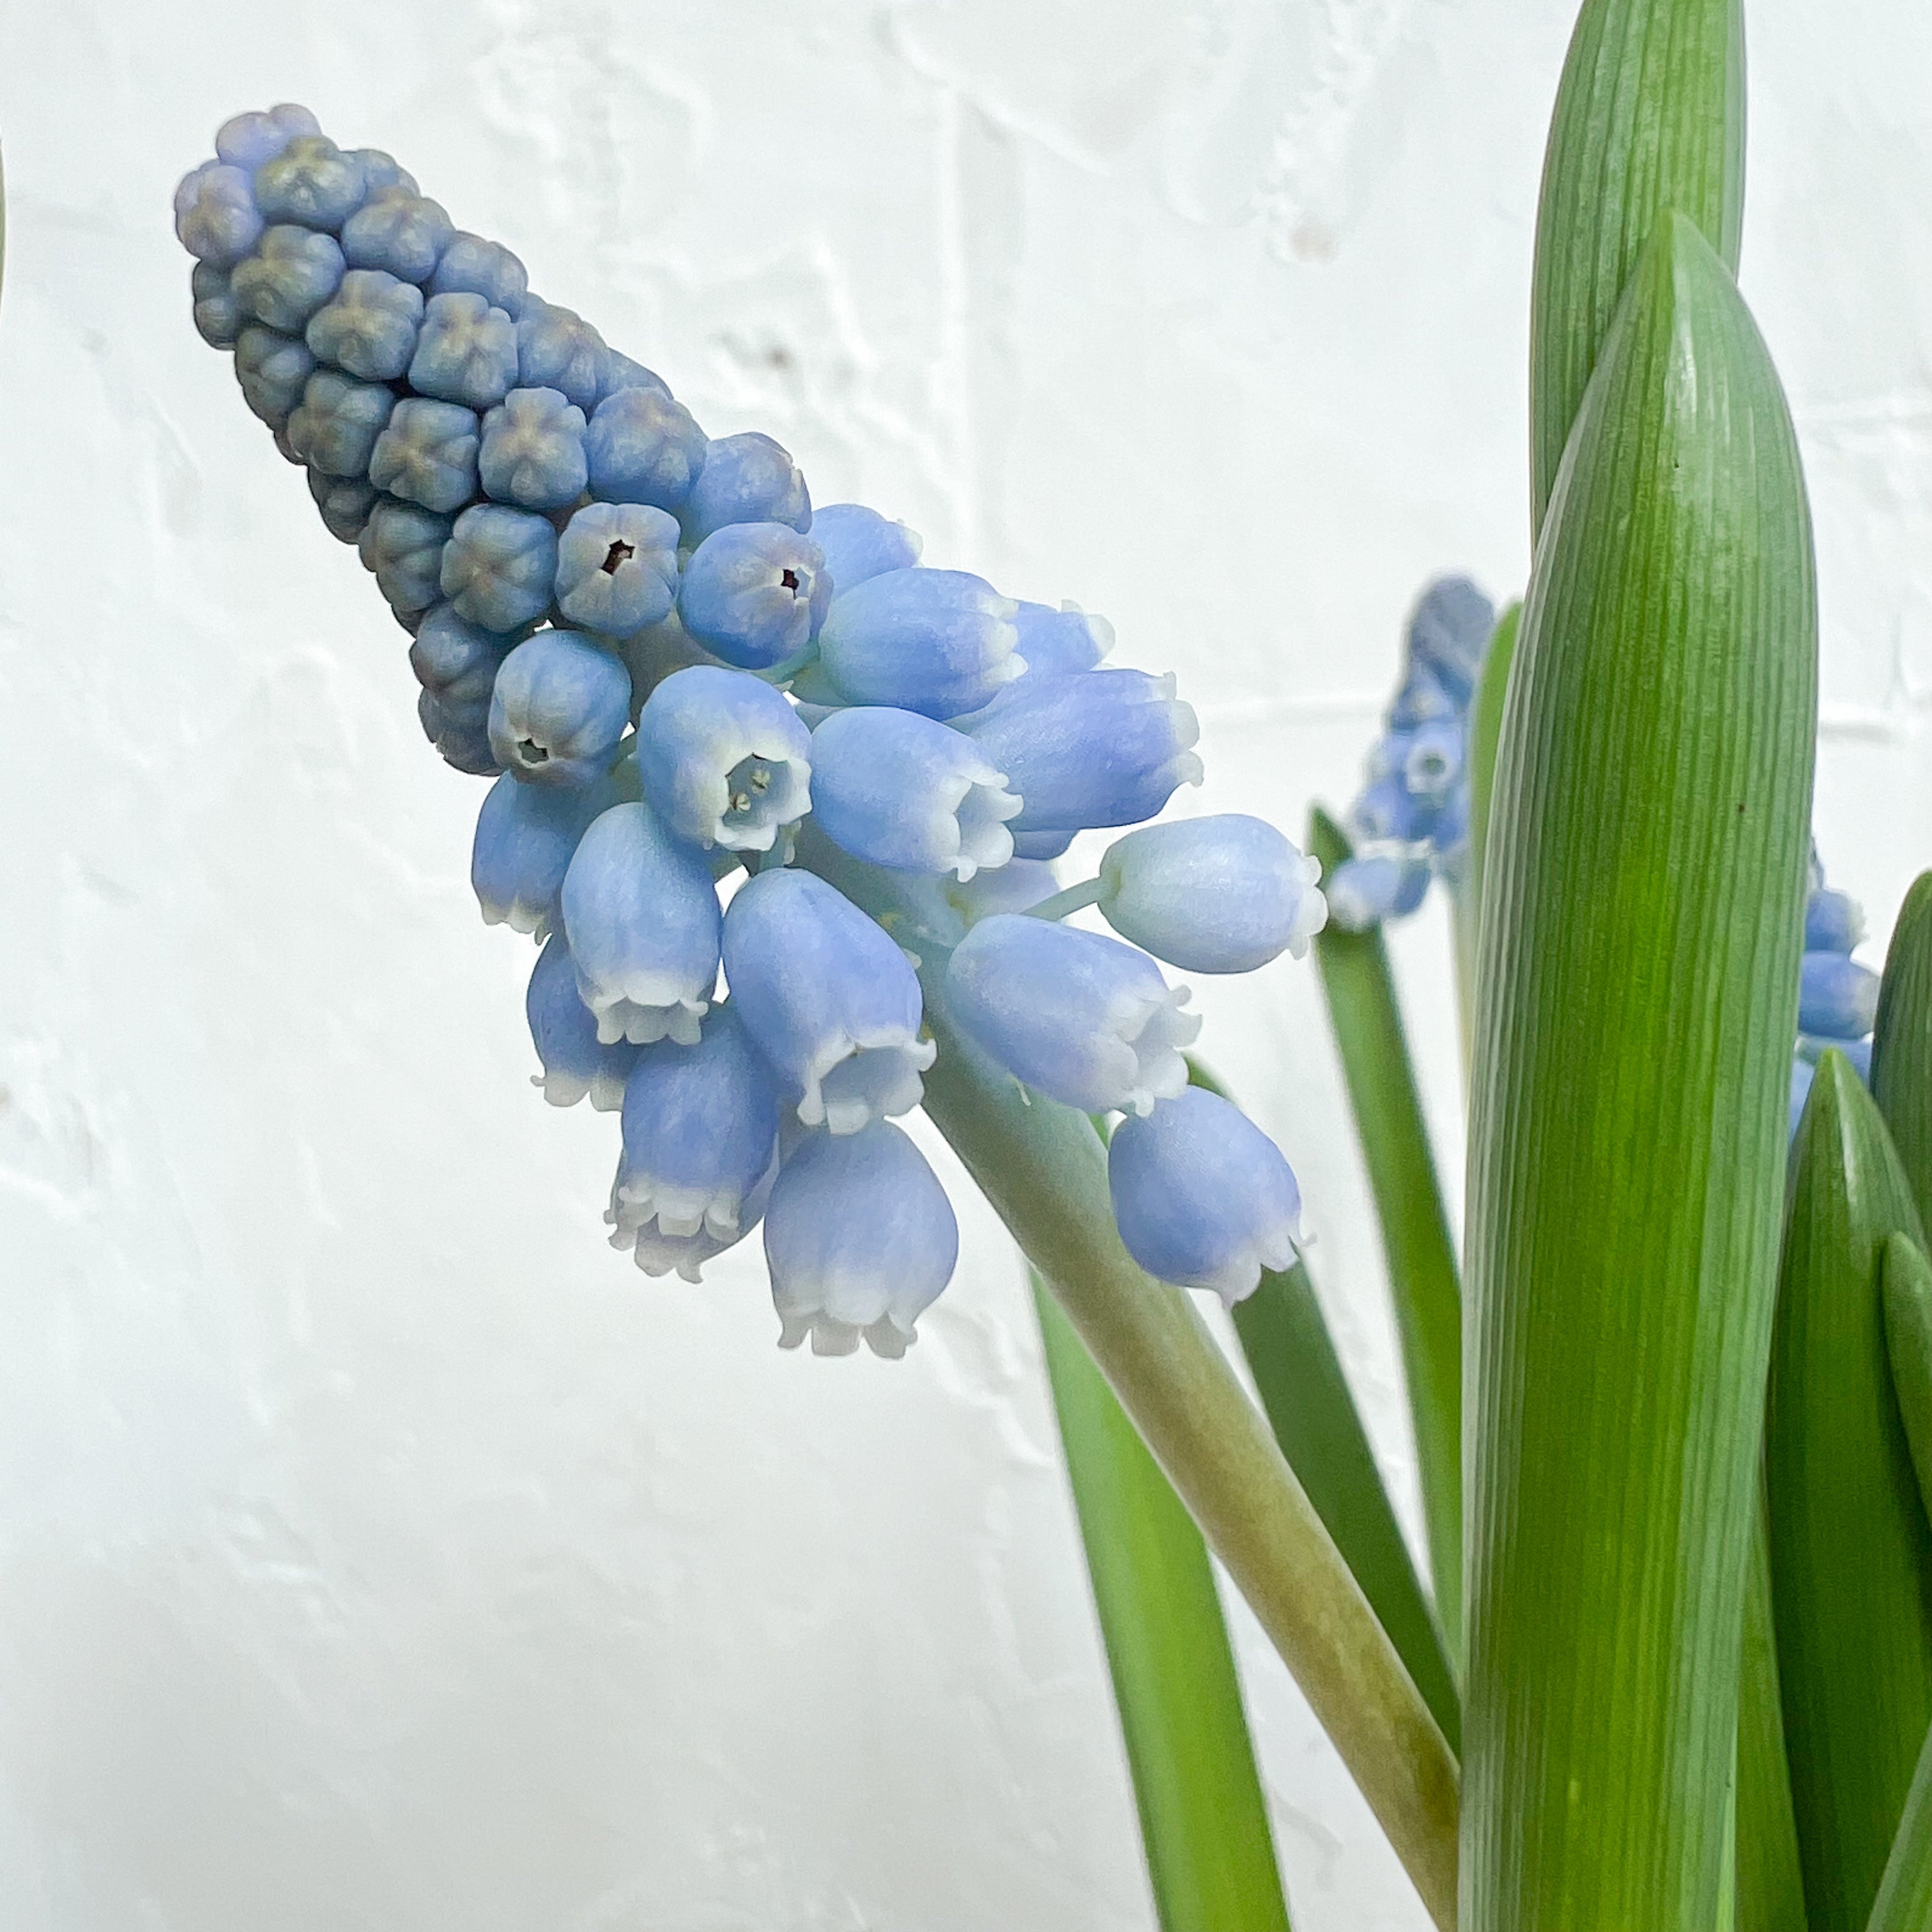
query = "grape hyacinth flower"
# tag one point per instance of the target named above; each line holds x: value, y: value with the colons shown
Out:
x: 1837, y: 998
x: 724, y: 760
x: 616, y: 567
x: 830, y: 999
x: 701, y: 1149
x: 558, y: 708
x: 754, y: 594
x: 1076, y: 1015
x: 891, y: 752
x: 1203, y: 1197
x: 860, y: 1240
x: 1410, y: 822
x: 902, y: 791
x: 575, y: 1062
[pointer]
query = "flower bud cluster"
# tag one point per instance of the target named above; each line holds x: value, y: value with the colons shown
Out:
x: 1837, y: 998
x: 684, y: 680
x: 1410, y: 822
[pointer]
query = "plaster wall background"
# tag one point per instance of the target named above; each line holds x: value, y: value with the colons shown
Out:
x: 377, y: 1549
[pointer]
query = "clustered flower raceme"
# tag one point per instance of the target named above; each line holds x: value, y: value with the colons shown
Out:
x: 684, y: 679
x: 1837, y: 998
x: 1410, y: 823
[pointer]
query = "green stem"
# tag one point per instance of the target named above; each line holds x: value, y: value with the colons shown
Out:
x: 1076, y: 898
x: 1421, y: 1255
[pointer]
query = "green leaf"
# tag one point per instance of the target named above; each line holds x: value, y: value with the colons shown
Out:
x: 1367, y: 1023
x: 1649, y: 115
x: 1305, y: 1394
x: 1770, y: 1883
x: 1851, y: 1551
x: 1905, y: 1297
x: 1637, y: 996
x: 1901, y: 1074
x: 1486, y: 731
x: 1904, y: 1901
x: 1204, y: 1821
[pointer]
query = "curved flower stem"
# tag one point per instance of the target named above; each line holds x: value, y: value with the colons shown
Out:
x: 1043, y: 1169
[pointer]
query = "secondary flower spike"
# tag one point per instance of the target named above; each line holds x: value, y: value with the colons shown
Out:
x: 749, y: 757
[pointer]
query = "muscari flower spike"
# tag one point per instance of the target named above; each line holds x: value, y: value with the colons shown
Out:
x: 1837, y: 998
x: 674, y: 668
x: 1410, y: 822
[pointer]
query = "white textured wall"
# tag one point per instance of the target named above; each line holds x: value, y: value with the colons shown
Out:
x: 377, y: 1549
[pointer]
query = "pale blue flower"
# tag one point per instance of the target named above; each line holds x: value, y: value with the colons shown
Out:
x: 642, y: 914
x: 1432, y: 761
x: 746, y: 479
x: 1449, y: 630
x: 1389, y: 813
x: 616, y: 567
x: 830, y: 1000
x: 404, y: 234
x: 1089, y: 747
x: 1837, y: 998
x: 345, y: 502
x: 369, y: 326
x: 1802, y: 1075
x: 335, y: 425
x: 1203, y: 1198
x: 1834, y: 922
x: 312, y: 183
x: 940, y: 642
x: 273, y: 370
x: 1068, y: 639
x: 385, y: 176
x: 466, y: 351
x: 899, y: 790
x: 471, y: 266
x: 248, y: 140
x: 532, y: 453
x: 526, y: 838
x: 557, y: 349
x: 1074, y: 1015
x: 1225, y: 894
x: 644, y: 447
x: 559, y: 709
x: 403, y: 545
x: 724, y: 758
x: 701, y: 1149
x: 218, y: 319
x: 617, y: 372
x: 754, y: 594
x: 1040, y: 845
x: 1363, y: 892
x: 860, y: 1240
x: 859, y: 544
x: 500, y: 566
x: 563, y: 1029
x: 293, y: 272
x: 216, y: 219
x: 428, y: 454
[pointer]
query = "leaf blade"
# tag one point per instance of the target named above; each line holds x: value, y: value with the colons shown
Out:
x: 1851, y: 1550
x: 1770, y: 1880
x: 1901, y: 1072
x: 1637, y: 997
x: 1203, y: 1821
x: 1649, y: 114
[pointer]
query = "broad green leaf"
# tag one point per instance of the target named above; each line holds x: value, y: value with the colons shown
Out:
x: 1649, y: 115
x: 1902, y: 1046
x: 1203, y: 1821
x: 1367, y: 1023
x: 1637, y: 994
x: 1906, y: 1294
x: 1770, y: 1884
x: 1305, y: 1394
x: 1851, y: 1551
x: 1904, y: 1901
x: 1292, y: 1358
